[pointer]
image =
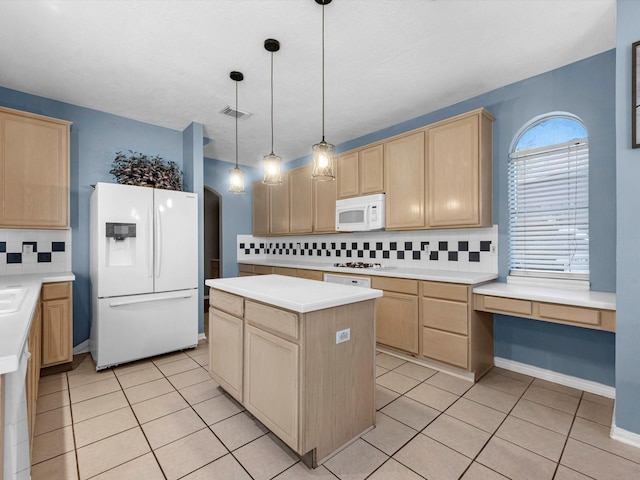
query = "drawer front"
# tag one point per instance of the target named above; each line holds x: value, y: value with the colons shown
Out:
x: 309, y: 274
x: 245, y: 268
x: 291, y: 272
x: 398, y: 285
x: 511, y: 305
x: 274, y: 319
x: 445, y: 347
x: 262, y: 270
x: 567, y: 313
x: 445, y: 315
x: 446, y: 291
x: 226, y: 302
x: 52, y: 291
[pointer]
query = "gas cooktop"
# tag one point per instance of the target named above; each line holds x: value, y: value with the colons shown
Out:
x: 357, y: 265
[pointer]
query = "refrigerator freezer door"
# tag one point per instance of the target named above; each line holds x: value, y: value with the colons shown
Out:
x: 176, y: 240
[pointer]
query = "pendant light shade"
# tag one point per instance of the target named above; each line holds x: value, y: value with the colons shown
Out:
x: 272, y: 162
x: 236, y: 176
x: 323, y: 152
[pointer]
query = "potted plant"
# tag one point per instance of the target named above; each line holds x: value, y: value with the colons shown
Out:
x: 139, y: 169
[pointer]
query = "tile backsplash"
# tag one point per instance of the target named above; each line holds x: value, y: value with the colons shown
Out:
x: 465, y: 250
x: 34, y: 251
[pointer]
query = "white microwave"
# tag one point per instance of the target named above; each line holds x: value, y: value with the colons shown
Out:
x: 360, y: 214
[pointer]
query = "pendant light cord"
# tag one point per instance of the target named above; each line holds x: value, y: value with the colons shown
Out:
x: 236, y: 124
x: 323, y: 72
x: 272, y: 103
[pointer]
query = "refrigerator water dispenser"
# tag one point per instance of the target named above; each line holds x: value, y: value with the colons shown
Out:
x: 121, y: 244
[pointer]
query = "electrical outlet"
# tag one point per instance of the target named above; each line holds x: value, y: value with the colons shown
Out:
x: 493, y: 249
x: 343, y: 336
x: 424, y: 246
x: 28, y: 247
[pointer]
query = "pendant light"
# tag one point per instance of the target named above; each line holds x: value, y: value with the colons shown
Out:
x: 272, y: 162
x: 236, y: 176
x: 323, y: 151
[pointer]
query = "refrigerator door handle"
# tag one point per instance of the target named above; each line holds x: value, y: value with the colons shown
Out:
x: 150, y: 243
x: 158, y: 239
x: 156, y: 298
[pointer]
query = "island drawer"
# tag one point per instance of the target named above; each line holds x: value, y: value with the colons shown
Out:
x: 446, y: 291
x: 273, y: 319
x: 226, y: 302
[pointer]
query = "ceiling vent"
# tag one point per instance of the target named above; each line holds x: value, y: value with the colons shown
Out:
x: 233, y: 112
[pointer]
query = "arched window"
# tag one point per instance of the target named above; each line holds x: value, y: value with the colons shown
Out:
x: 549, y: 199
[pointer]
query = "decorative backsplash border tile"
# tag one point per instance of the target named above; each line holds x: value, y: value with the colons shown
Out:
x: 50, y: 251
x: 472, y: 250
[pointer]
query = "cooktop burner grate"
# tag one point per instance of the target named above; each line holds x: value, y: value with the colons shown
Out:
x: 357, y: 265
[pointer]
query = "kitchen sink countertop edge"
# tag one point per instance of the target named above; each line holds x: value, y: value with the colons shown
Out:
x: 14, y: 327
x: 468, y: 278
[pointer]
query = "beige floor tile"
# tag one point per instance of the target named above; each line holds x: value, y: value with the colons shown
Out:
x: 411, y: 413
x: 52, y: 420
x: 565, y: 473
x: 133, y: 367
x: 141, y: 468
x: 62, y: 467
x: 238, y: 430
x: 143, y: 392
x: 392, y: 469
x: 217, y: 409
x: 190, y: 377
x: 110, y: 452
x: 504, y: 384
x: 169, y: 357
x: 592, y: 397
x: 356, y: 462
x: 95, y: 389
x: 572, y: 392
x: 52, y: 401
x: 515, y: 462
x: 598, y: 436
x: 461, y: 437
x: 172, y: 427
x: 98, y: 406
x: 381, y: 370
x: 595, y: 412
x: 492, y: 398
x: 413, y: 370
x: 56, y: 377
x: 179, y: 366
x: 432, y: 459
x: 104, y: 426
x: 389, y: 434
x: 547, y: 417
x: 139, y: 377
x: 479, y: 416
x: 89, y: 377
x: 159, y: 406
x: 384, y: 396
x: 52, y: 444
x: 190, y: 453
x: 477, y: 471
x: 449, y: 383
x: 511, y: 374
x: 201, y: 391
x: 301, y: 472
x: 433, y: 397
x: 82, y: 364
x: 265, y: 457
x: 388, y: 361
x: 597, y: 463
x: 396, y: 382
x: 56, y: 384
x: 202, y: 360
x: 224, y: 468
x: 552, y: 398
x: 532, y: 437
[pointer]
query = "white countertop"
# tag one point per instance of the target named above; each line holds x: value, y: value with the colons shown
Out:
x: 292, y: 293
x: 468, y: 278
x: 14, y: 327
x: 581, y: 298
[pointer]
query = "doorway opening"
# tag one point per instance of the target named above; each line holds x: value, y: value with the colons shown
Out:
x: 212, y: 237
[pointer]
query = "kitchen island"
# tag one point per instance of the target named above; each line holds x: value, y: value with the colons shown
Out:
x: 299, y: 355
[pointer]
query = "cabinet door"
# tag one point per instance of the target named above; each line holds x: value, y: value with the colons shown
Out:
x: 33, y: 370
x: 405, y: 181
x: 225, y: 351
x: 260, y: 208
x: 453, y: 190
x: 279, y: 207
x: 324, y: 207
x: 271, y: 367
x: 371, y: 170
x: 397, y: 321
x: 57, y: 331
x: 347, y: 175
x: 301, y: 200
x: 34, y: 171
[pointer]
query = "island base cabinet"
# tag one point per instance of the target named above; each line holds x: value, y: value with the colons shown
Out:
x: 271, y: 372
x: 225, y: 339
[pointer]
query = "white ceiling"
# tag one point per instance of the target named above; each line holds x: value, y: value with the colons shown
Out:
x: 168, y: 62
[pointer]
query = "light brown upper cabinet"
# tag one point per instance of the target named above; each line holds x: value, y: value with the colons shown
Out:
x: 324, y: 207
x: 361, y: 172
x: 260, y: 208
x: 459, y: 183
x: 405, y: 182
x: 279, y: 207
x: 34, y: 171
x: 301, y: 200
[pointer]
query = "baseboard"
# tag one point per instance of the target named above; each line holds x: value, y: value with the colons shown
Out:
x: 624, y: 436
x: 81, y: 348
x: 555, y: 377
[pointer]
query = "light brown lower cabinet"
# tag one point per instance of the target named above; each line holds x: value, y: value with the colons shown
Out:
x: 397, y: 322
x: 314, y: 394
x: 57, y: 324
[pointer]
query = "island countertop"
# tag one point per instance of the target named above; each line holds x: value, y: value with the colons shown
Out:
x: 296, y: 294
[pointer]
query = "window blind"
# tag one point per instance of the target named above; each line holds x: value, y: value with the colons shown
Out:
x: 549, y: 211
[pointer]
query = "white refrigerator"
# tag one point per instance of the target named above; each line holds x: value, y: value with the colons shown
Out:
x: 144, y: 272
